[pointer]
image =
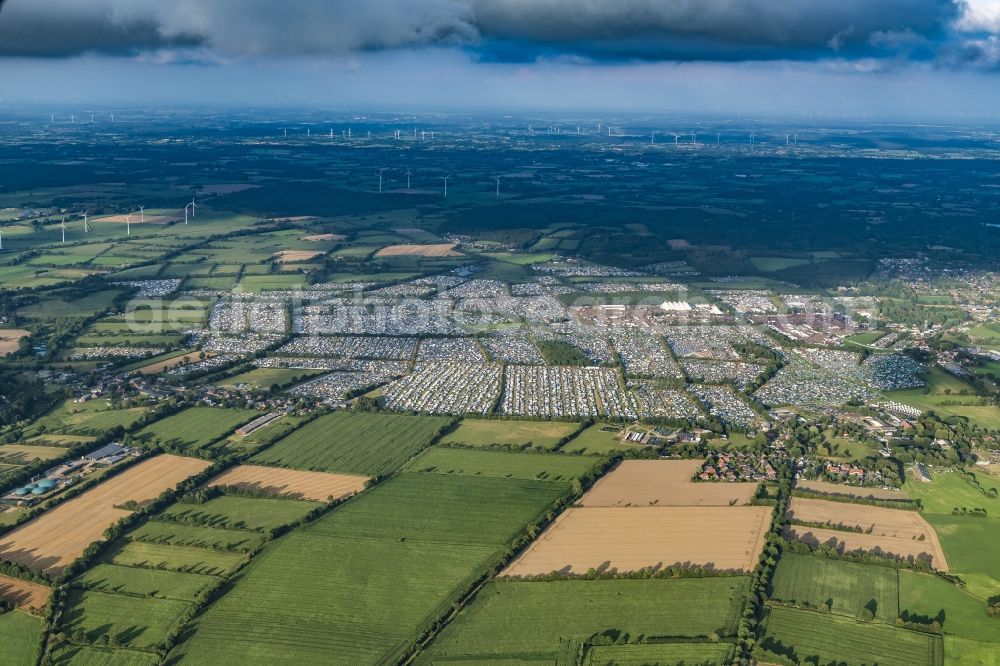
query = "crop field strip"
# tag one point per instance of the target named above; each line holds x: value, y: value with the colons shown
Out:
x: 527, y: 620
x: 299, y: 484
x: 57, y: 537
x: 501, y: 464
x: 236, y: 512
x: 391, y: 559
x: 633, y: 538
x: 175, y: 534
x: 700, y: 654
x: 78, y: 655
x: 364, y: 444
x: 844, y: 588
x: 663, y: 483
x: 808, y: 634
x: 897, y: 531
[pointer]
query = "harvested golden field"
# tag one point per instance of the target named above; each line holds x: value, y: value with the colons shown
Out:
x: 435, y: 250
x: 296, y: 256
x: 853, y: 491
x: 10, y: 339
x: 847, y: 542
x: 663, y: 483
x: 893, y: 530
x: 291, y: 482
x: 629, y: 539
x: 58, y: 536
x: 324, y: 237
x: 23, y: 594
x: 160, y: 366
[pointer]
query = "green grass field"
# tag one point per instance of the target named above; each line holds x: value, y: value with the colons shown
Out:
x: 965, y: 539
x: 369, y: 444
x: 264, y: 378
x: 241, y: 513
x: 361, y: 582
x: 93, y: 416
x: 483, y: 432
x: 519, y: 620
x: 135, y: 581
x: 660, y: 654
x: 964, y: 651
x: 19, y: 638
x: 82, y: 655
x: 949, y: 490
x: 195, y: 427
x: 172, y: 534
x: 845, y: 588
x: 938, y: 381
x: 176, y: 558
x: 500, y: 464
x: 810, y: 637
x: 594, y: 441
x: 771, y: 264
x: 138, y: 622
x: 960, y: 612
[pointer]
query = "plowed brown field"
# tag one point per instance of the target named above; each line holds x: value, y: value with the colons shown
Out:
x: 630, y: 539
x: 58, y: 536
x: 292, y: 483
x: 663, y: 483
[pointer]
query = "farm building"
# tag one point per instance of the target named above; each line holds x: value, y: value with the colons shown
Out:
x: 107, y: 455
x: 257, y: 424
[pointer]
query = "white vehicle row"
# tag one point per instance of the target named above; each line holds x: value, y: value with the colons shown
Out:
x: 352, y: 346
x: 564, y: 391
x: 447, y: 388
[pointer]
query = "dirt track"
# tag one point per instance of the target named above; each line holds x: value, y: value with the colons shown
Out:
x: 629, y: 539
x: 58, y: 536
x: 663, y: 483
x: 291, y: 483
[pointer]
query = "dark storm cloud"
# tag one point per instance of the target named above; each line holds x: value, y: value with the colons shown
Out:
x: 505, y: 30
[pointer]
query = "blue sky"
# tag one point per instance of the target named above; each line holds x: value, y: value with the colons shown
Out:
x: 938, y: 58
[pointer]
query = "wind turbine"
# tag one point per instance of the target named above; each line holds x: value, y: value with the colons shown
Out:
x: 86, y: 227
x: 72, y: 119
x: 408, y: 174
x: 52, y: 119
x: 497, y: 178
x: 112, y: 117
x: 142, y: 215
x: 718, y: 138
x: 91, y: 119
x: 788, y: 139
x: 694, y: 139
x: 1, y: 239
x: 194, y: 207
x: 380, y: 180
x: 286, y: 133
x: 676, y: 139
x: 445, y: 179
x: 63, y: 225
x: 128, y: 224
